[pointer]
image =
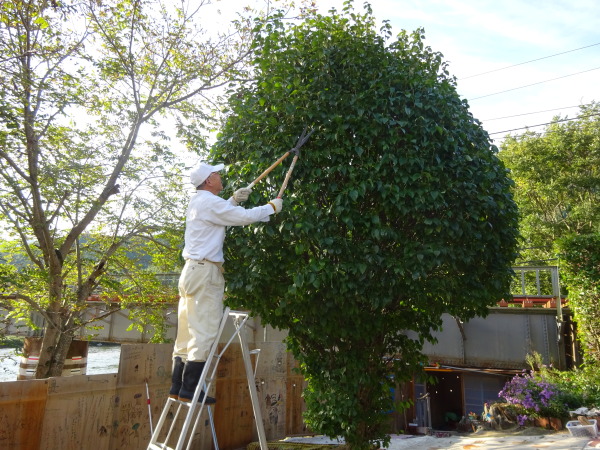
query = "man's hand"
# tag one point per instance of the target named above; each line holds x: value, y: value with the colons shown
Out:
x: 277, y: 204
x: 241, y: 195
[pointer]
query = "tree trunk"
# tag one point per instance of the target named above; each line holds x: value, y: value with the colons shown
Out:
x: 55, y: 345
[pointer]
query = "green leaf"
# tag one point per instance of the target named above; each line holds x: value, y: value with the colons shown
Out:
x: 41, y: 22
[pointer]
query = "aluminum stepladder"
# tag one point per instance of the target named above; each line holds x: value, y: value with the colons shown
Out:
x: 195, y: 408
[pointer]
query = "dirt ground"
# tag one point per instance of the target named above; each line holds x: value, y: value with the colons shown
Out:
x: 517, y: 438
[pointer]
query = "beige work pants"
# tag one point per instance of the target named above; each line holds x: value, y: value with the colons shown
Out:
x: 201, y: 288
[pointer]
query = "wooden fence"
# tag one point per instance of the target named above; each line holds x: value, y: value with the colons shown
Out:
x: 106, y: 412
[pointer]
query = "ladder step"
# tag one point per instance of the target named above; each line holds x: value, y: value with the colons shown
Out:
x: 177, y: 402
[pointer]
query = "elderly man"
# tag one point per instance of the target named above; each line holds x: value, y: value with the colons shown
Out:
x: 201, y: 284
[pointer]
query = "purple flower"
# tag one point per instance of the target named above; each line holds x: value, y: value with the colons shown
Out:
x: 532, y: 394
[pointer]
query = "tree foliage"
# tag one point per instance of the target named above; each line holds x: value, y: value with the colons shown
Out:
x: 557, y: 181
x: 580, y: 255
x: 87, y: 176
x: 398, y: 210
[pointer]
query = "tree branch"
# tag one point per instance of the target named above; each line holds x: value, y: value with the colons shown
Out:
x: 108, y: 313
x: 14, y: 166
x: 22, y: 236
x: 31, y: 302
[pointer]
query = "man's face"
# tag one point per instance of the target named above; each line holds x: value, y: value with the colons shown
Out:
x: 215, y: 182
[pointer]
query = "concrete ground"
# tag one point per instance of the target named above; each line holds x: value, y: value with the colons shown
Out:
x: 529, y: 438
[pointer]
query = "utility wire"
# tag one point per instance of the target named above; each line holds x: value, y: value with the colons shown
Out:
x: 547, y: 123
x: 546, y: 132
x: 533, y: 84
x: 527, y: 62
x: 535, y: 112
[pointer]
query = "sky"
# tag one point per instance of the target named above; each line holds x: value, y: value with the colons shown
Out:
x: 481, y: 38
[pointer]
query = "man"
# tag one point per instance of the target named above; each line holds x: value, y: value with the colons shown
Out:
x: 201, y: 284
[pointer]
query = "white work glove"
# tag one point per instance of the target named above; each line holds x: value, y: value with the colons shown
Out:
x: 241, y: 195
x: 277, y: 204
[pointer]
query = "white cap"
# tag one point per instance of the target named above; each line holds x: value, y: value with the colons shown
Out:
x: 202, y: 172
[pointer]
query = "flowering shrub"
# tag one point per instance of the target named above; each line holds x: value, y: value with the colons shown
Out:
x: 583, y: 385
x: 547, y: 392
x: 535, y: 397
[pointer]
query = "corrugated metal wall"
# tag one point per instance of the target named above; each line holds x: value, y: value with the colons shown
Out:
x: 502, y: 340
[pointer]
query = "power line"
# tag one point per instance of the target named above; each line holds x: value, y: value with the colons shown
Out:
x: 527, y: 62
x: 546, y: 132
x: 535, y: 112
x: 547, y: 123
x: 533, y: 84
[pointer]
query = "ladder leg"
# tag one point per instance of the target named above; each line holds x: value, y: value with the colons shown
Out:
x: 201, y: 383
x: 212, y: 427
x: 210, y: 419
x: 260, y: 428
x: 160, y: 423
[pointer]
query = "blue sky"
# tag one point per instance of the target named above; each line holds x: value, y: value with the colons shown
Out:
x: 477, y: 36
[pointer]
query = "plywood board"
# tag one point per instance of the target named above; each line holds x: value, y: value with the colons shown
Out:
x: 112, y: 411
x: 231, y: 364
x: 79, y: 411
x: 22, y: 405
x: 234, y: 417
x: 141, y: 363
x: 295, y: 406
x: 273, y: 399
x: 131, y: 423
x: 280, y: 391
x: 273, y: 360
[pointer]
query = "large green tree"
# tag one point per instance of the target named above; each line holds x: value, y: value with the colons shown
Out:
x: 398, y: 210
x: 87, y: 174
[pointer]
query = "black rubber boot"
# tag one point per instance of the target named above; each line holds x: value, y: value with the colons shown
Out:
x: 176, y: 377
x: 191, y: 375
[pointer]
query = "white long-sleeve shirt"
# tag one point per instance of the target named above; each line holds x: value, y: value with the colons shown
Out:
x: 206, y: 219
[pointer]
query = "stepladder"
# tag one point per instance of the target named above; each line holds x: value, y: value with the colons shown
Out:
x: 178, y: 422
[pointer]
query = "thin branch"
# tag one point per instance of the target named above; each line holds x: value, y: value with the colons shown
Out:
x: 32, y: 303
x: 23, y: 237
x: 59, y: 205
x: 14, y: 166
x: 83, y: 323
